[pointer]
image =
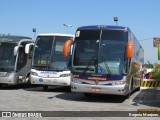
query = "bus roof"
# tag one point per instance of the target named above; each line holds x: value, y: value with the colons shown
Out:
x: 105, y: 27
x: 56, y: 34
x: 13, y: 38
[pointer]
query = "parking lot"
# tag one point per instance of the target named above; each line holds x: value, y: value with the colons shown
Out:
x: 24, y: 98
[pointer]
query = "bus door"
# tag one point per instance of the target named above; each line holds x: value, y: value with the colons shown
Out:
x: 23, y: 63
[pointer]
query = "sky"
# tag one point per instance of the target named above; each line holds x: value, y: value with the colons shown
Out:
x: 19, y: 17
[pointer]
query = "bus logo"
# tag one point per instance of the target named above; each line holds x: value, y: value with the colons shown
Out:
x: 6, y: 114
x: 96, y: 82
x: 40, y: 80
x: 100, y: 70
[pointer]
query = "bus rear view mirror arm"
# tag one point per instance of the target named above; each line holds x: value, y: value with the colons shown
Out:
x: 15, y: 50
x: 27, y: 47
x: 66, y: 46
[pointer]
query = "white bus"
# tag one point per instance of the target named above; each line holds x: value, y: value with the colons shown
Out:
x: 15, y: 59
x: 49, y: 66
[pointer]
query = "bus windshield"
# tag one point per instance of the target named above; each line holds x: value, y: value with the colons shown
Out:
x: 7, y: 59
x: 86, y: 49
x: 48, y: 53
x: 100, y: 51
x: 111, y: 59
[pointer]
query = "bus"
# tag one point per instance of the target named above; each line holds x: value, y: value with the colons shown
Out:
x: 49, y: 67
x: 105, y: 60
x: 15, y: 59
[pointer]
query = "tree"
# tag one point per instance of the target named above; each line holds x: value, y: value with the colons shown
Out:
x: 1, y: 34
x: 156, y: 72
x: 148, y: 65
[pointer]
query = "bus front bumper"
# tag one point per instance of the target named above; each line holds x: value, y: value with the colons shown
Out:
x: 60, y: 81
x: 10, y: 79
x: 100, y: 89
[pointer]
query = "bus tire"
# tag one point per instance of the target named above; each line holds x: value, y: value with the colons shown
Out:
x: 128, y: 95
x: 28, y: 80
x: 45, y: 87
x: 87, y: 94
x: 138, y: 89
x: 131, y: 89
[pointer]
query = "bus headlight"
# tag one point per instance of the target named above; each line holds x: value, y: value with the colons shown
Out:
x: 77, y: 81
x: 34, y: 73
x: 65, y: 75
x: 118, y: 83
x: 8, y: 74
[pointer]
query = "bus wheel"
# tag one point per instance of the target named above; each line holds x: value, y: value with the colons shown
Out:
x: 28, y: 80
x: 45, y: 87
x: 131, y: 88
x: 138, y: 89
x: 128, y: 95
x: 87, y: 94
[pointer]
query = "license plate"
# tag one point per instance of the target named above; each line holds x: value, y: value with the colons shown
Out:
x: 51, y: 81
x: 48, y: 81
x: 96, y: 89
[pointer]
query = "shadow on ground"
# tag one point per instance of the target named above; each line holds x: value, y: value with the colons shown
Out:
x: 94, y: 98
x: 50, y: 89
x: 149, y: 97
x: 16, y: 87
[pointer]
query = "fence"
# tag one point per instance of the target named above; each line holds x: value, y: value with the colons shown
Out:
x: 150, y: 83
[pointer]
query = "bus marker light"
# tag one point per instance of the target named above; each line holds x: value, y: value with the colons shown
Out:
x: 129, y: 50
x: 121, y: 91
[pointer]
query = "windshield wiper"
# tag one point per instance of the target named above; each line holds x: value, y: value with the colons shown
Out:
x: 37, y: 68
x: 57, y: 70
x: 40, y: 67
x: 89, y: 64
x: 2, y: 68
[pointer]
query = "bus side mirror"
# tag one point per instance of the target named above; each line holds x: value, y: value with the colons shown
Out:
x: 27, y: 48
x: 15, y: 50
x: 158, y: 52
x: 129, y: 50
x: 66, y: 46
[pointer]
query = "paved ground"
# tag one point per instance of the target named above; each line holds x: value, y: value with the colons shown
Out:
x: 22, y: 98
